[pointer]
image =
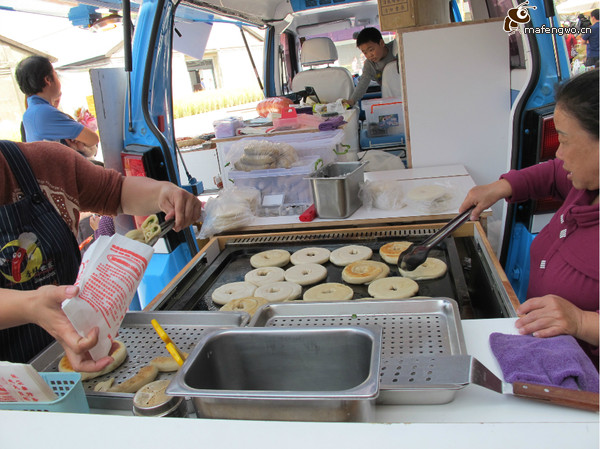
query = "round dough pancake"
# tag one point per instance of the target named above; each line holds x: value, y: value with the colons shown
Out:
x: 330, y: 291
x: 351, y: 253
x: 432, y: 268
x: 279, y: 291
x: 391, y: 251
x: 119, y: 355
x: 306, y: 274
x: 364, y: 271
x: 265, y: 275
x: 393, y: 288
x: 231, y: 291
x: 310, y: 255
x: 248, y: 305
x: 270, y: 258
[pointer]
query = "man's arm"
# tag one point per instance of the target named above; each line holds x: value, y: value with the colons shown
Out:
x: 88, y: 137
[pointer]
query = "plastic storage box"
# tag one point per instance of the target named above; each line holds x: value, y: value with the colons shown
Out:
x: 289, y: 182
x: 68, y: 388
x: 384, y: 116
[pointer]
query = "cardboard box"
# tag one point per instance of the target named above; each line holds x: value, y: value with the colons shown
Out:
x: 395, y: 14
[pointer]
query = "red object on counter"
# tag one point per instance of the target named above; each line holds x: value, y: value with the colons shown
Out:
x: 309, y: 214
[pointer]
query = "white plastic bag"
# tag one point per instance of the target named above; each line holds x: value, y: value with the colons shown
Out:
x: 226, y: 212
x: 380, y: 160
x: 386, y: 195
x: 434, y: 197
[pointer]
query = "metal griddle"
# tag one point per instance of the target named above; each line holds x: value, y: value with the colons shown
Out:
x: 233, y: 263
x: 143, y: 345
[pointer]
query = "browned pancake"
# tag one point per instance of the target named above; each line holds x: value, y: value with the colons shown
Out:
x: 119, y: 355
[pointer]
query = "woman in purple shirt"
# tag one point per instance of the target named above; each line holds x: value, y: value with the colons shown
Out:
x: 563, y: 284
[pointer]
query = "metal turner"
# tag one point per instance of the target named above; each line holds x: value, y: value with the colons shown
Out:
x: 417, y: 253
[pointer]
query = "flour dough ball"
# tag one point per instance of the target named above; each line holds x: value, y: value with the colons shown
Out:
x: 306, y: 274
x: 279, y: 291
x: 231, y: 291
x: 391, y: 251
x: 351, y: 253
x: 310, y: 255
x: 393, y: 288
x: 270, y: 258
x: 432, y: 268
x: 364, y: 271
x: 265, y: 275
x: 330, y: 291
x: 248, y: 305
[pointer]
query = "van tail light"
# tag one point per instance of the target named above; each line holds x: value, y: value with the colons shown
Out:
x: 548, y: 140
x: 548, y: 145
x: 133, y: 165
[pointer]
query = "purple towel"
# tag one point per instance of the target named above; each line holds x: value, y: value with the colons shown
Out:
x: 555, y: 361
x: 332, y: 123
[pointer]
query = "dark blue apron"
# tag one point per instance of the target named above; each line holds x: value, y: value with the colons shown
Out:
x: 36, y: 248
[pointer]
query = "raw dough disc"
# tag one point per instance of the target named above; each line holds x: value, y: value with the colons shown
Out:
x: 364, y: 271
x: 393, y: 288
x: 279, y: 291
x: 391, y: 251
x: 432, y: 268
x: 351, y: 253
x: 231, y: 291
x: 330, y: 291
x: 306, y: 274
x: 265, y: 275
x: 429, y: 192
x: 310, y: 255
x: 270, y: 258
x: 248, y: 305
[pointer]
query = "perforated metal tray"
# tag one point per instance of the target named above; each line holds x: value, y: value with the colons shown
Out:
x: 416, y: 327
x: 143, y: 344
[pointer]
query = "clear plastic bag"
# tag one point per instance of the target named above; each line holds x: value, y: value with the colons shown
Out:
x: 228, y: 211
x: 386, y: 195
x: 434, y: 197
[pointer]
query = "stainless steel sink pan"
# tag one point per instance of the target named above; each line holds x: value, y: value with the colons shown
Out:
x: 300, y: 374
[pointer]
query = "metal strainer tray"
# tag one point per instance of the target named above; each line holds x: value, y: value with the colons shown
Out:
x: 410, y: 328
x: 143, y: 344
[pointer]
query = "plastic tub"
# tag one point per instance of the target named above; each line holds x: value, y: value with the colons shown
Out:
x: 289, y: 182
x: 384, y: 115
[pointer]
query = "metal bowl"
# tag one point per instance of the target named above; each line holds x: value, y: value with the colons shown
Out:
x: 299, y: 374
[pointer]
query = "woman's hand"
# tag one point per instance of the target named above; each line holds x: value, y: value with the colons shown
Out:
x: 485, y: 196
x: 179, y: 204
x: 144, y: 196
x: 45, y: 311
x: 551, y: 315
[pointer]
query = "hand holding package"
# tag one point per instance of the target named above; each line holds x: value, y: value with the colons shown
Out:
x: 108, y: 277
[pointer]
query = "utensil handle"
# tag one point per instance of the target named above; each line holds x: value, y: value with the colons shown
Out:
x: 584, y: 400
x: 448, y: 228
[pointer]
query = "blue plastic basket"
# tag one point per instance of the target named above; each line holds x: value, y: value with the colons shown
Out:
x: 68, y: 388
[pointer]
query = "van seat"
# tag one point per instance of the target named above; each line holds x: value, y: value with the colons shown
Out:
x: 330, y: 83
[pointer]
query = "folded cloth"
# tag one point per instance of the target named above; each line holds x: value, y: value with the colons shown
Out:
x: 555, y: 361
x: 332, y: 123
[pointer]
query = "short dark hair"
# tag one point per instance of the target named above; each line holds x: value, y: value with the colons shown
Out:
x: 368, y: 35
x: 595, y: 13
x: 31, y: 73
x: 579, y: 98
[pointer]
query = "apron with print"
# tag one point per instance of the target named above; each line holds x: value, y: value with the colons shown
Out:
x: 36, y: 248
